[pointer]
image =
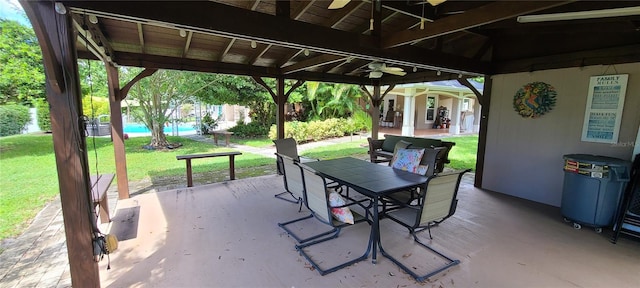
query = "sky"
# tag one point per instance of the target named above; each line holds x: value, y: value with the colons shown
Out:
x: 11, y: 9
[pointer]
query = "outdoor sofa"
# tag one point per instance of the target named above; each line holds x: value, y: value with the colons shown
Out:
x: 381, y: 150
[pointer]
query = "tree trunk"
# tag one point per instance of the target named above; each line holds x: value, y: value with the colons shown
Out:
x: 158, y: 139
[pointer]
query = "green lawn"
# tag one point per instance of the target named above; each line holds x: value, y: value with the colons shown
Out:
x: 28, y: 174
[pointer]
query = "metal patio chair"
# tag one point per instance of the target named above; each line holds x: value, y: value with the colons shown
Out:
x: 292, y: 180
x: 430, y: 159
x: 316, y: 199
x: 436, y: 203
x: 288, y: 147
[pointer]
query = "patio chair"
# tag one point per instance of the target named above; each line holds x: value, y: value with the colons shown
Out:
x: 294, y: 184
x: 288, y: 147
x: 316, y: 200
x: 292, y: 180
x: 429, y: 159
x: 437, y: 203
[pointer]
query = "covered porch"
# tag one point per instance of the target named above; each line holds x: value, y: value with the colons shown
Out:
x: 226, y: 235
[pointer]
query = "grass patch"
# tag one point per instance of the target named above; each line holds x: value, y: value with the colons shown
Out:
x: 463, y: 154
x: 253, y: 142
x: 354, y: 149
x: 29, y: 175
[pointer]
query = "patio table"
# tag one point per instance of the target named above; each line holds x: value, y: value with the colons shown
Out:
x: 369, y: 179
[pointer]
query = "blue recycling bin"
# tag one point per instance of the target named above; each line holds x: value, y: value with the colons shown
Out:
x: 592, y: 189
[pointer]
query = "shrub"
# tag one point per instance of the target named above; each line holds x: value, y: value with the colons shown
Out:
x: 43, y: 115
x: 93, y: 107
x: 249, y: 130
x: 13, y: 119
x: 317, y: 130
x: 207, y: 124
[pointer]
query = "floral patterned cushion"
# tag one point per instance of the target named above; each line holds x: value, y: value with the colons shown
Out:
x: 407, y: 159
x: 422, y: 169
x: 342, y: 214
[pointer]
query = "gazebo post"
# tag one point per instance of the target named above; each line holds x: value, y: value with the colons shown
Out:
x: 69, y: 143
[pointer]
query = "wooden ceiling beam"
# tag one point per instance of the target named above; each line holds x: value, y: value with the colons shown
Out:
x: 226, y: 49
x: 290, y: 56
x: 302, y: 7
x: 219, y: 19
x: 312, y: 63
x: 343, y: 13
x: 196, y: 65
x: 486, y: 14
x: 606, y: 56
x: 261, y: 52
x: 141, y: 37
x: 187, y: 43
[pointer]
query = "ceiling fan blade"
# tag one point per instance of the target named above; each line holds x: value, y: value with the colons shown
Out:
x: 388, y: 69
x: 395, y: 72
x: 337, y: 4
x: 435, y: 2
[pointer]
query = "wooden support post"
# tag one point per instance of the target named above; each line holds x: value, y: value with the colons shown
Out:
x: 482, y: 134
x: 117, y: 131
x: 64, y: 97
x: 281, y: 100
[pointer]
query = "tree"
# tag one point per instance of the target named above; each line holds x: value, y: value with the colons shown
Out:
x: 326, y: 100
x: 159, y: 96
x: 22, y: 76
x: 239, y: 90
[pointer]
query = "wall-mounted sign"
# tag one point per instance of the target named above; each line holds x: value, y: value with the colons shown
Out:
x: 604, y: 108
x: 534, y: 99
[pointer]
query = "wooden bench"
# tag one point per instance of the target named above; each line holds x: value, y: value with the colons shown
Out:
x: 227, y: 135
x: 188, y: 158
x: 99, y: 186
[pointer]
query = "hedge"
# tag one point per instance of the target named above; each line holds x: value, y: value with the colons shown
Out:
x: 13, y: 119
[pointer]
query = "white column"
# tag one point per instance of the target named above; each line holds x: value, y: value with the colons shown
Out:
x: 454, y: 125
x: 409, y: 112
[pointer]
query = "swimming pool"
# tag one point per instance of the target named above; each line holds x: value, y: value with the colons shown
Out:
x: 140, y: 128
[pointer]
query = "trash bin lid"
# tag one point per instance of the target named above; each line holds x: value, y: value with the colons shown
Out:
x: 597, y: 159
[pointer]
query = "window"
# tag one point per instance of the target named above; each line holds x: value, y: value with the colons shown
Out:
x: 466, y: 104
x: 431, y: 108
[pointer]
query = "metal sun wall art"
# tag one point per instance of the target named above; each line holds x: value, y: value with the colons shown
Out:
x: 534, y: 99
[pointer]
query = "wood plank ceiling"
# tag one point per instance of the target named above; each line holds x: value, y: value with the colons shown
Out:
x: 306, y: 40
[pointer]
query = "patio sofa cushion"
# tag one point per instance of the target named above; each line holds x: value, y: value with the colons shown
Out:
x: 407, y: 159
x: 381, y: 150
x: 391, y: 140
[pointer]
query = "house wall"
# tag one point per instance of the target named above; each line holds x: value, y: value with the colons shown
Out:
x: 524, y: 156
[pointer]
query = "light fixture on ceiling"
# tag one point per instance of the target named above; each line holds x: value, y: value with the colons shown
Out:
x: 415, y: 69
x: 93, y: 19
x: 254, y: 44
x: 616, y: 12
x: 306, y: 52
x: 439, y: 73
x: 459, y: 75
x: 183, y: 33
x: 60, y: 9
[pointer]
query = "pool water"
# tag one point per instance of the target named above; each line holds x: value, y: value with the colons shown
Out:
x: 140, y: 128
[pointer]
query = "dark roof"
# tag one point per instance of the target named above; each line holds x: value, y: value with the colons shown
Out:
x: 474, y: 38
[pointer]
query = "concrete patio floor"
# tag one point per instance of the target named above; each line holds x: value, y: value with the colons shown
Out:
x: 226, y: 235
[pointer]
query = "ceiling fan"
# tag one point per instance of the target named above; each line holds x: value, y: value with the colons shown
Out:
x: 337, y: 4
x: 376, y: 69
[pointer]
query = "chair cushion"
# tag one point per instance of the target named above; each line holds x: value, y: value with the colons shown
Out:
x: 401, y: 144
x: 342, y: 214
x: 407, y: 159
